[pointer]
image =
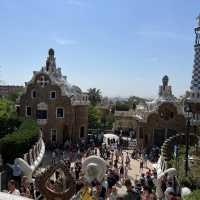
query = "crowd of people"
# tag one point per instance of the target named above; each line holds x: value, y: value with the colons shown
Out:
x: 144, y: 187
x: 23, y: 188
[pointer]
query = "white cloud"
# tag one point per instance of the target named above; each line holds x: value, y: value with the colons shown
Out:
x: 61, y: 41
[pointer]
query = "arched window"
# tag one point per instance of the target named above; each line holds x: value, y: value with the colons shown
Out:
x: 33, y: 94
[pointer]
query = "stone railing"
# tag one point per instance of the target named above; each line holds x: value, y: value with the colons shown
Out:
x: 167, y: 149
x: 32, y: 159
x: 34, y: 155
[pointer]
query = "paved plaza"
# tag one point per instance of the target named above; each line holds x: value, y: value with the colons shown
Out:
x: 133, y: 172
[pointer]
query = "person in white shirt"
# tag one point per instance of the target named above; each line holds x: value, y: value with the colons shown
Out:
x: 12, y: 188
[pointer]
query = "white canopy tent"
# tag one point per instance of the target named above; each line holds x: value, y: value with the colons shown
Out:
x: 107, y: 137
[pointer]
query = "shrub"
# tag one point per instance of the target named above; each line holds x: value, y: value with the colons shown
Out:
x: 19, y: 142
x: 195, y: 195
x: 187, y: 182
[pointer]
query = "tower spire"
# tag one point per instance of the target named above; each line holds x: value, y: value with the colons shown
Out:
x: 198, y: 20
x: 195, y: 83
x: 51, y: 61
x: 197, y: 31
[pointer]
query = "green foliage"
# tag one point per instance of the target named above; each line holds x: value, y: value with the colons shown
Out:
x: 94, y: 96
x: 186, y: 182
x: 179, y: 164
x: 7, y: 109
x: 8, y: 126
x: 122, y: 105
x: 14, y: 95
x: 19, y: 142
x: 136, y: 100
x: 107, y: 119
x: 195, y: 195
x: 8, y: 117
x: 94, y: 117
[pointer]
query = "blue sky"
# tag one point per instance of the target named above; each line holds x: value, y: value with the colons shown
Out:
x: 123, y: 47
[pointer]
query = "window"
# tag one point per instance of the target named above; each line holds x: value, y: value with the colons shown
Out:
x: 28, y: 111
x: 43, y: 81
x: 141, y: 133
x: 41, y: 114
x: 33, y: 94
x: 59, y: 112
x: 52, y: 94
x: 53, y: 135
x: 82, y: 132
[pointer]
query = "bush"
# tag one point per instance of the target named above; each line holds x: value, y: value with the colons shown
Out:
x: 8, y: 125
x: 187, y: 182
x: 194, y: 196
x: 14, y: 145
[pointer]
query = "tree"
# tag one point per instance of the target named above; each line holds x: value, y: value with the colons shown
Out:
x: 7, y: 109
x: 136, y: 100
x: 8, y: 117
x: 94, y: 96
x: 122, y: 105
x: 15, y: 94
x: 94, y: 117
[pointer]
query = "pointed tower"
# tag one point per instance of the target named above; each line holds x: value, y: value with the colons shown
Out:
x: 193, y: 102
x: 195, y: 83
x: 51, y: 62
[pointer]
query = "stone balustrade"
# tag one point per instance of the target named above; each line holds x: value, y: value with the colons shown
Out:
x: 167, y: 149
x: 35, y: 154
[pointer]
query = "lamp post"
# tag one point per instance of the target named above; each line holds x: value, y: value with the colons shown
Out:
x: 188, y: 126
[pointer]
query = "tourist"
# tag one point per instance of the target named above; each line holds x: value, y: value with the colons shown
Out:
x: 53, y: 157
x: 77, y: 170
x: 169, y: 190
x: 121, y: 172
x: 131, y: 194
x: 100, y: 192
x: 149, y: 181
x: 141, y: 165
x: 128, y: 160
x: 16, y: 172
x: 113, y: 194
x: 142, y: 180
x: 145, y: 159
x: 12, y: 188
x: 147, y: 194
x: 25, y: 187
x: 125, y: 172
x: 164, y: 183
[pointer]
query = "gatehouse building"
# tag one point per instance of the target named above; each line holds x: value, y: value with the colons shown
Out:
x: 60, y: 109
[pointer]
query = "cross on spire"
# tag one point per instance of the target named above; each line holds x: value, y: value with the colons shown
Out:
x: 198, y: 20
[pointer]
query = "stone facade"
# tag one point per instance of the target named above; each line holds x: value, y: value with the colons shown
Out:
x: 126, y: 121
x: 156, y: 121
x: 161, y: 124
x: 61, y: 110
x: 163, y: 118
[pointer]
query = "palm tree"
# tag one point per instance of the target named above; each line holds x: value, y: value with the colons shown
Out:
x: 94, y: 96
